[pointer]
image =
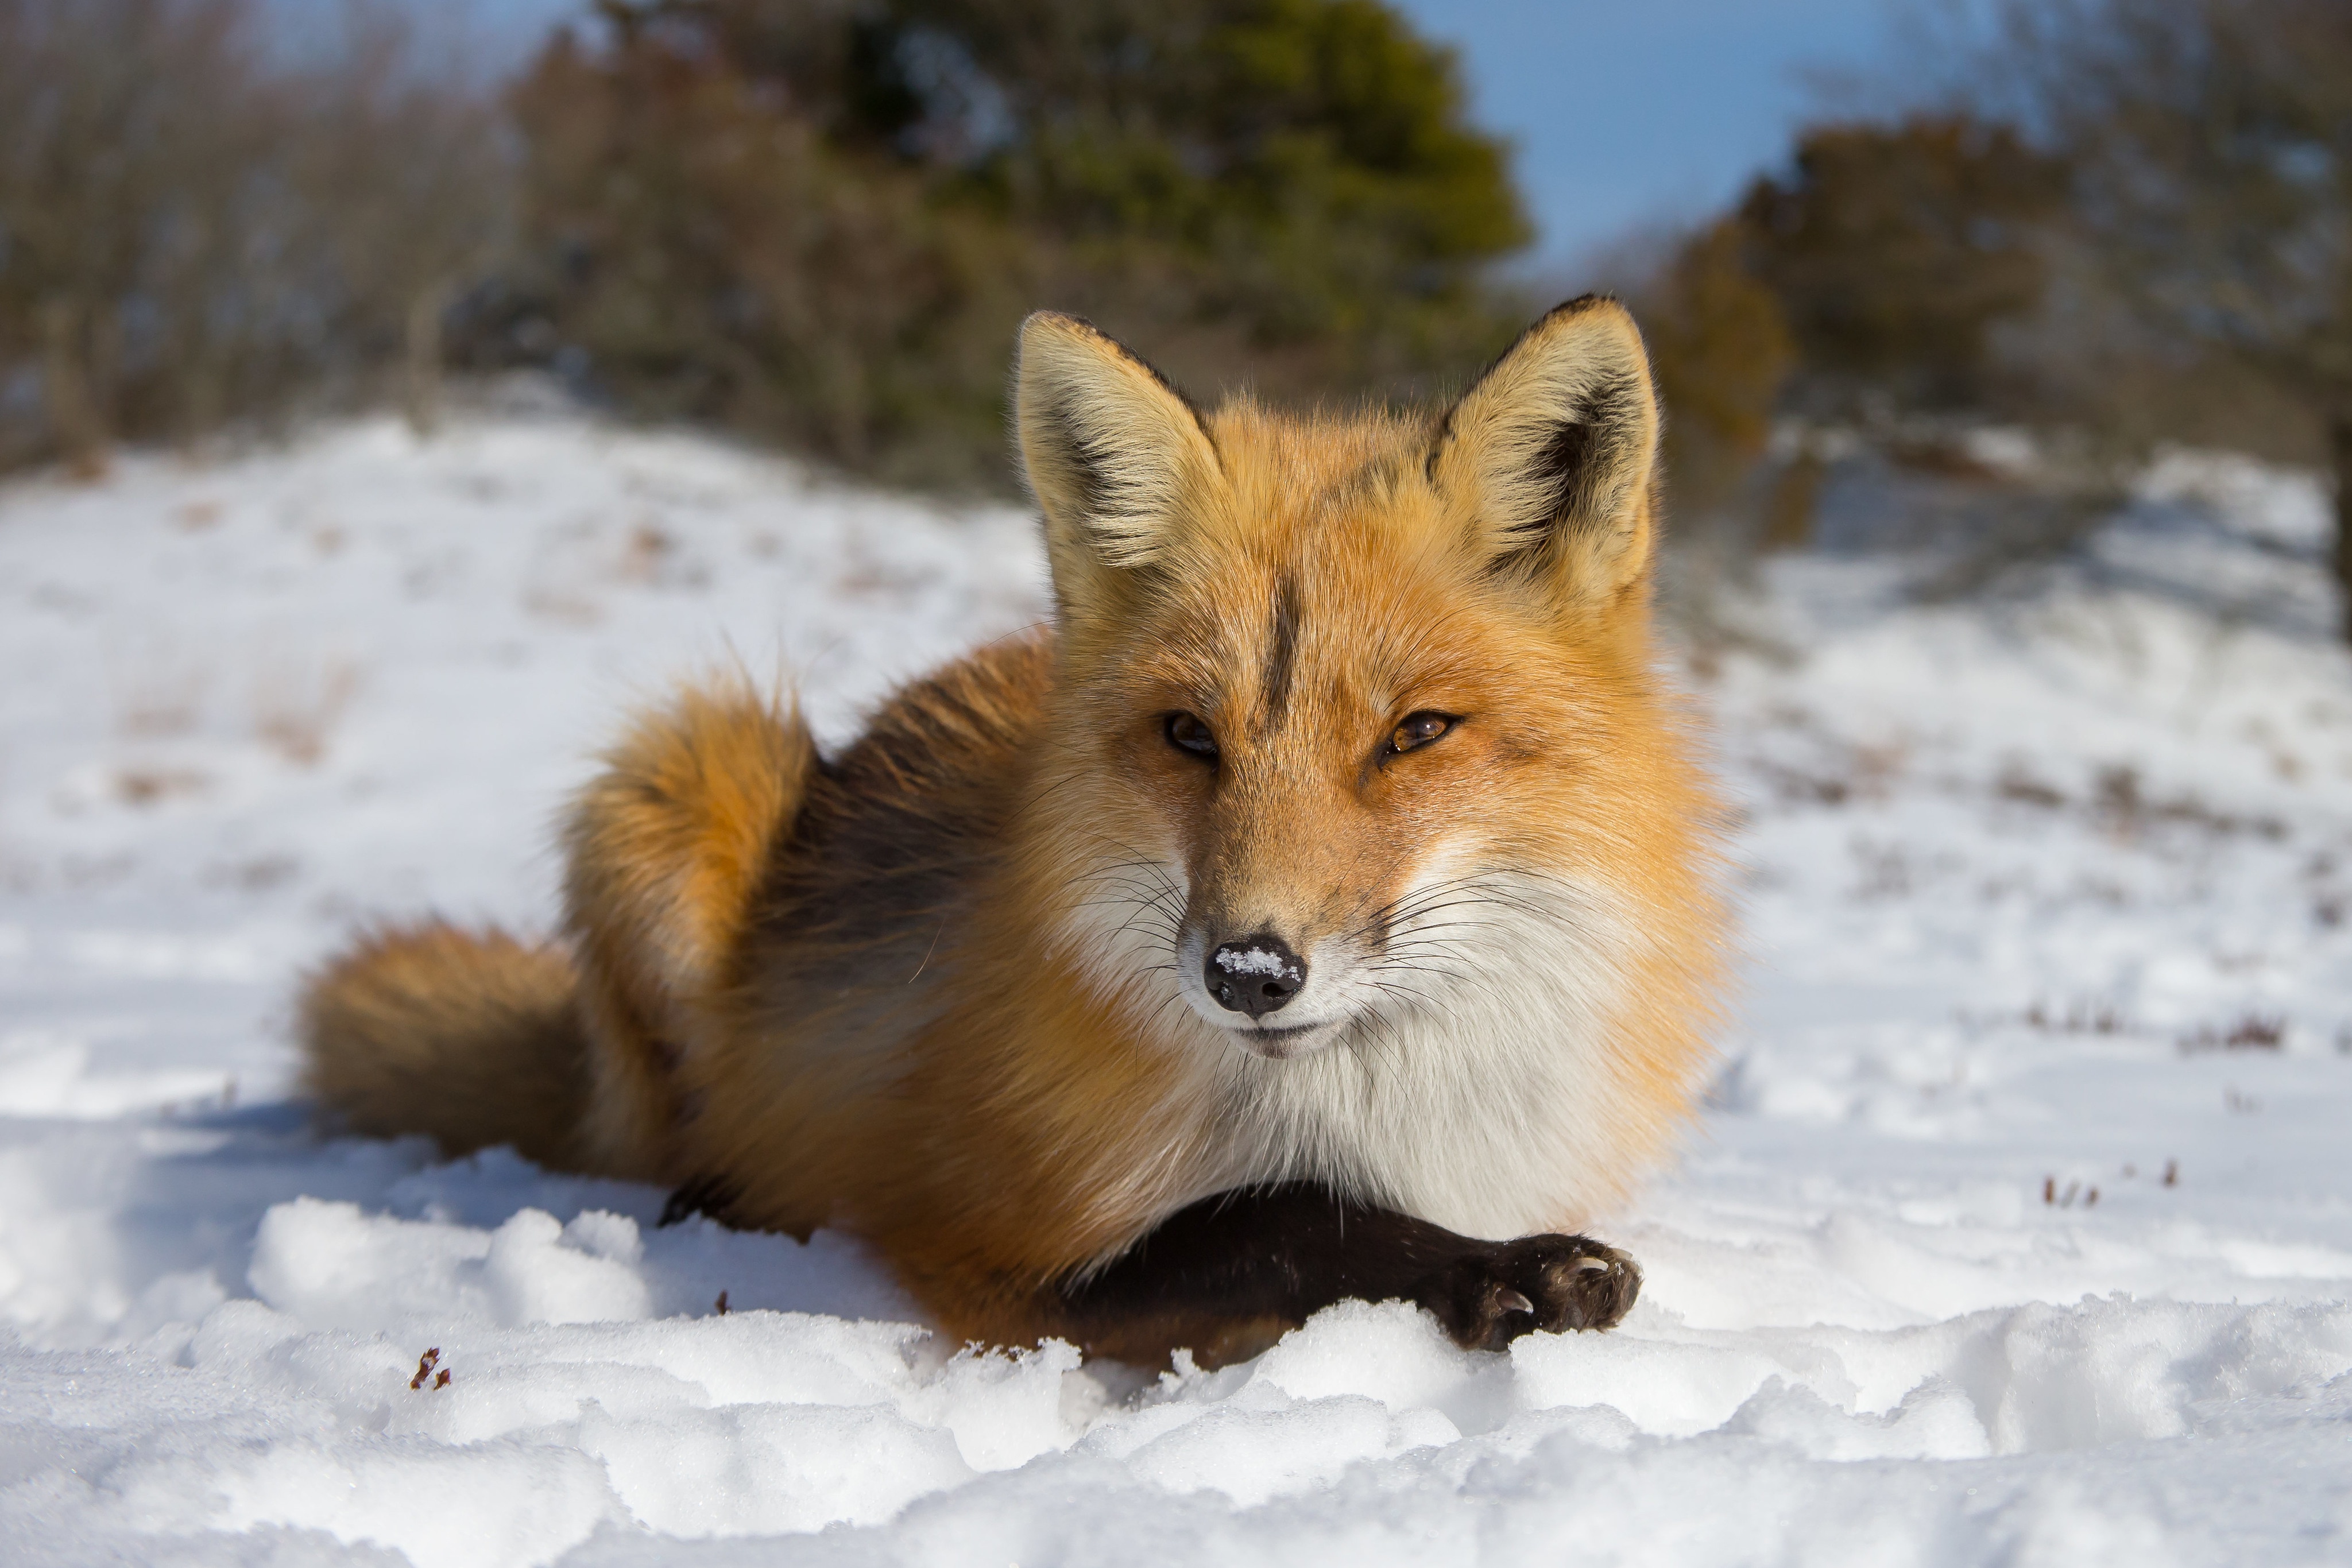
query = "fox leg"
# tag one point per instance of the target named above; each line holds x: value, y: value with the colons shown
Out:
x: 1229, y: 1274
x: 667, y: 850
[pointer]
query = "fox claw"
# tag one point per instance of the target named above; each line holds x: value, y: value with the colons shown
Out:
x: 1490, y: 1297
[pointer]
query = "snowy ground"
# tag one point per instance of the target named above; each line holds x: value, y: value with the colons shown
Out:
x: 2019, y: 1229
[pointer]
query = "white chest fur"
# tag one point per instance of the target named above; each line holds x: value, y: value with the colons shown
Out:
x: 1490, y: 1091
x: 1495, y: 1101
x: 1495, y: 1098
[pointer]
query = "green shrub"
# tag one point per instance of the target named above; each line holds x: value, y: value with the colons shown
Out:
x: 1895, y: 249
x: 821, y: 223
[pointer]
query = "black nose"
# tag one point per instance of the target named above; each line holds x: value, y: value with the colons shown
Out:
x: 1255, y: 975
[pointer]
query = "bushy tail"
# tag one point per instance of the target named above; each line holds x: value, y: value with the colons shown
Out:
x: 473, y: 1038
x: 477, y: 1038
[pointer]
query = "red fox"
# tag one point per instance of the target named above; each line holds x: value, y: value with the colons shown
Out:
x: 1324, y: 906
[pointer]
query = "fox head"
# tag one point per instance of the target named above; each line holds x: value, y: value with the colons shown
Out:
x: 1354, y: 718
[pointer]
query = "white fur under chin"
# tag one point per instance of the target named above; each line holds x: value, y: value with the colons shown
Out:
x: 1489, y: 1105
x: 1491, y: 1102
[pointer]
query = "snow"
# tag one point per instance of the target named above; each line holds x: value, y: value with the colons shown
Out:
x: 2018, y: 1229
x: 1252, y: 961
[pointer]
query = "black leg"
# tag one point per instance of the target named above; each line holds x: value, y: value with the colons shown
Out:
x: 1230, y: 1273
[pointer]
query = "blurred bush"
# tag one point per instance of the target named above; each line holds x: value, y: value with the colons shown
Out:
x: 1895, y: 249
x: 820, y: 220
x: 817, y: 221
x: 2129, y: 224
x: 194, y: 231
x: 704, y: 251
x: 1862, y: 286
x: 2211, y: 149
x: 1722, y: 351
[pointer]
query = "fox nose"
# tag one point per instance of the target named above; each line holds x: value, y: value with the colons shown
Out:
x: 1256, y: 974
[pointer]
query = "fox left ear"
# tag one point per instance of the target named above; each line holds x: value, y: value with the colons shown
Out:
x: 1113, y: 454
x: 1550, y: 457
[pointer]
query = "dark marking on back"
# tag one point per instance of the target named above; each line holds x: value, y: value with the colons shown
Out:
x: 898, y: 827
x: 1282, y: 651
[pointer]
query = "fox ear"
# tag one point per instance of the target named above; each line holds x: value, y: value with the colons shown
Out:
x: 1550, y: 455
x: 1111, y: 450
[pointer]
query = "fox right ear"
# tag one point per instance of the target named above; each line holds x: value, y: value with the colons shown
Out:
x: 1551, y: 456
x: 1112, y: 452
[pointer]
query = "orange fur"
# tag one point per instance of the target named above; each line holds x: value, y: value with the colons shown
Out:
x: 924, y: 990
x: 664, y: 851
x: 469, y: 1037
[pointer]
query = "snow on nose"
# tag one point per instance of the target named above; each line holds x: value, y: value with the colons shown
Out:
x: 1256, y: 974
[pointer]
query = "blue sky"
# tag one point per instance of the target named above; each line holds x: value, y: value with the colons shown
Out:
x: 1625, y: 113
x: 1644, y: 111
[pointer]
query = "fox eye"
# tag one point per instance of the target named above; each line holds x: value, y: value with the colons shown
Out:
x: 1418, y: 730
x: 1186, y: 732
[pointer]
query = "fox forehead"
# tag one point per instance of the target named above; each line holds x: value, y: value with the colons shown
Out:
x: 1283, y: 476
x: 1264, y: 643
x: 1322, y: 579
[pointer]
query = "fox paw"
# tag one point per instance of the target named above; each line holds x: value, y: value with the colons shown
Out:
x: 1488, y: 1298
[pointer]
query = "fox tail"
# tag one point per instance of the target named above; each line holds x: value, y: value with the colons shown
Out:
x: 476, y: 1037
x: 471, y: 1038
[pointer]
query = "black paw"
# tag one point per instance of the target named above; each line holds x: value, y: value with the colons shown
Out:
x: 1488, y: 1298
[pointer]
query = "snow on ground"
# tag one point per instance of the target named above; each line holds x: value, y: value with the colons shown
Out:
x: 2018, y: 1228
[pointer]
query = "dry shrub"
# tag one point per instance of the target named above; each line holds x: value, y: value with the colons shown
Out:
x: 2252, y: 1031
x: 146, y: 785
x: 2211, y: 187
x: 195, y: 231
x: 817, y: 223
x: 160, y: 695
x: 1720, y: 347
x: 297, y: 706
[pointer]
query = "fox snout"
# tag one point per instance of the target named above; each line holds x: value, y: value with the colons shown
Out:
x: 1255, y: 975
x: 1277, y: 991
